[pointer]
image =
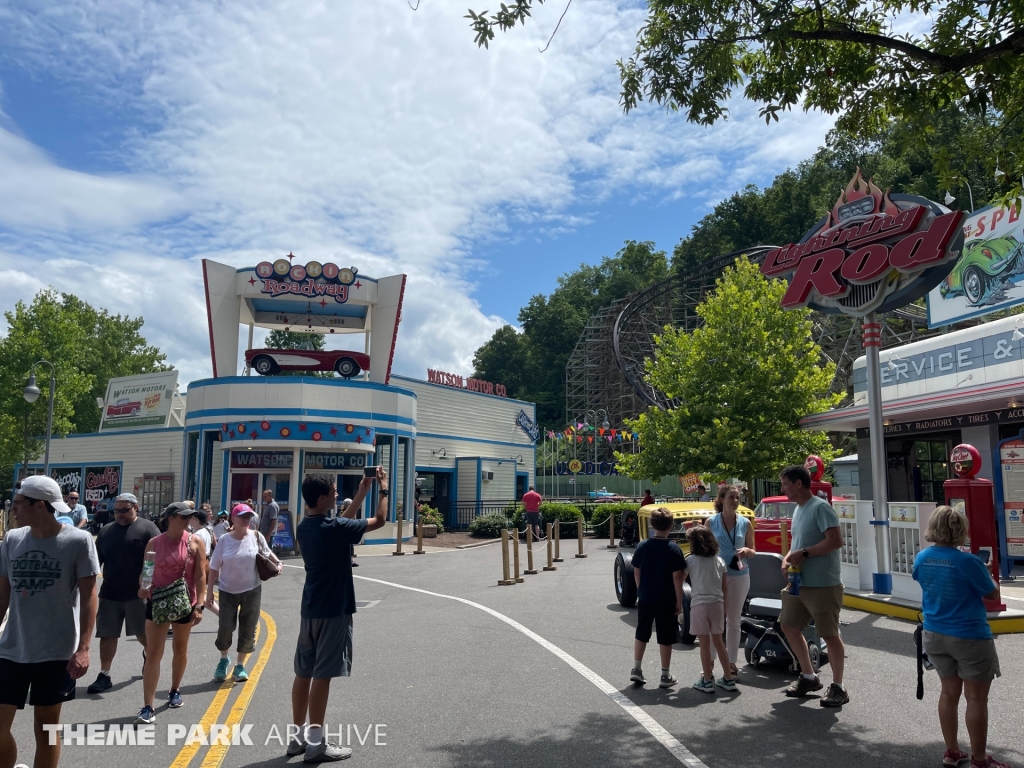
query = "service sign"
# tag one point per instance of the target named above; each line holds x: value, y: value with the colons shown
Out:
x: 990, y: 274
x: 874, y: 252
x: 138, y: 401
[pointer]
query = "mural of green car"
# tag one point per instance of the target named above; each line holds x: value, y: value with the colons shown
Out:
x: 985, y: 265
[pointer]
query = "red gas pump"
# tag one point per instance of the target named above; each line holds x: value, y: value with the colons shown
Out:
x: 816, y: 467
x: 974, y: 497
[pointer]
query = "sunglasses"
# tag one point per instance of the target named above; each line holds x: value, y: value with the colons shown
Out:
x: 124, y: 509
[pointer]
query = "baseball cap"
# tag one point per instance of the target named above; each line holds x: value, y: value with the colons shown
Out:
x: 43, y: 488
x: 179, y: 508
x: 222, y: 513
x: 346, y: 502
x: 241, y: 509
x: 128, y: 497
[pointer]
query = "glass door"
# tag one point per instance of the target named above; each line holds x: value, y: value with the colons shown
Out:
x: 245, y: 489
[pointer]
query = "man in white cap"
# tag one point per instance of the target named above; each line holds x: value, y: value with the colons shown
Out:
x: 48, y: 583
x: 121, y: 548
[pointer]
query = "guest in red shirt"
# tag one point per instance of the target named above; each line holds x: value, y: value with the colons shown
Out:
x: 531, y: 506
x: 647, y: 499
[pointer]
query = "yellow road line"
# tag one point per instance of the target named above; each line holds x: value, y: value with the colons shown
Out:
x: 217, y: 752
x: 209, y: 718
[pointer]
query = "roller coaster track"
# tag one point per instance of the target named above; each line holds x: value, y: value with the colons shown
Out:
x: 606, y: 369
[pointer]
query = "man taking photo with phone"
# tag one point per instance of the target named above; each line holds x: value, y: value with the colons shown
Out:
x: 324, y: 647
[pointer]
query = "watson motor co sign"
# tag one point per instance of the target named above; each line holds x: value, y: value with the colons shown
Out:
x: 874, y: 252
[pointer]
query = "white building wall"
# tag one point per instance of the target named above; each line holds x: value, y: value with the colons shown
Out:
x: 461, y: 423
x: 140, y: 453
x: 503, y: 486
x: 466, y: 482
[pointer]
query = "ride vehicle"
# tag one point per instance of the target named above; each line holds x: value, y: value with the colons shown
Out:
x: 604, y: 494
x: 346, y: 363
x: 685, y: 514
x: 984, y: 266
x: 124, y: 407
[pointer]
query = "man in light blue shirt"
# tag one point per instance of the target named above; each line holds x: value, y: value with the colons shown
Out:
x: 78, y: 511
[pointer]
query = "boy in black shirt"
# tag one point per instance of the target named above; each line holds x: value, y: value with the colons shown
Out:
x: 658, y: 567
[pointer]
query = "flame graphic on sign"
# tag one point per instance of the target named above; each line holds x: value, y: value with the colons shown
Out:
x: 875, y: 201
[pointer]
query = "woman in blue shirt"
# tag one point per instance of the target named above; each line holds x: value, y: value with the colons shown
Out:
x: 957, y: 637
x: 735, y: 538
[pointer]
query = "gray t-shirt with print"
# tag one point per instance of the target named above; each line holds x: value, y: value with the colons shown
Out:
x: 42, y: 623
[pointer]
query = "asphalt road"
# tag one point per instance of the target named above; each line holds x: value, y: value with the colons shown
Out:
x: 439, y: 682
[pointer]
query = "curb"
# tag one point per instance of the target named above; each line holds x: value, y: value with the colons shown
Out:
x: 480, y: 544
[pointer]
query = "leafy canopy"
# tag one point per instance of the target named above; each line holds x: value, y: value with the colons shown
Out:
x: 86, y: 346
x: 531, y: 364
x: 843, y: 57
x: 742, y: 381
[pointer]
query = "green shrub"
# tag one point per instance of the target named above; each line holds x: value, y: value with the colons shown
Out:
x: 431, y: 516
x: 550, y: 511
x: 600, y: 517
x: 488, y: 526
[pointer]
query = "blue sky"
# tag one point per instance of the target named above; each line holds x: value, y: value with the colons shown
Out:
x: 139, y: 137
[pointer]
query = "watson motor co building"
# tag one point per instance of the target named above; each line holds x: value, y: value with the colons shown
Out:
x: 230, y: 437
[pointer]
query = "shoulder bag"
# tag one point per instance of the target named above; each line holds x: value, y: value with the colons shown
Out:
x: 172, y: 603
x: 265, y: 567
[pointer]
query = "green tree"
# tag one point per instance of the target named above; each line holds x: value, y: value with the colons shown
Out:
x: 86, y: 346
x: 742, y: 382
x: 841, y: 57
x: 551, y: 326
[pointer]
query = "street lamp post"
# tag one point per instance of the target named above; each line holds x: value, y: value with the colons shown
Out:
x: 31, y: 394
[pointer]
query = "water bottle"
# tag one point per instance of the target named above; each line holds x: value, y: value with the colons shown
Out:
x: 148, y: 566
x: 794, y: 580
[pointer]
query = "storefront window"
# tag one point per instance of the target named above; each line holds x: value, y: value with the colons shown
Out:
x: 932, y: 469
x: 192, y: 459
x: 385, y: 446
x: 401, y: 485
x: 157, y: 492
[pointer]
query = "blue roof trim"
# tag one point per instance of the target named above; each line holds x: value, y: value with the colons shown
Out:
x: 111, y: 432
x: 336, y: 382
x: 470, y: 392
x: 300, y: 412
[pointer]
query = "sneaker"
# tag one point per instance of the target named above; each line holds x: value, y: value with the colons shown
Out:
x: 325, y: 752
x: 297, y: 744
x: 221, y: 672
x: 954, y: 759
x: 239, y: 674
x: 990, y: 762
x: 146, y: 716
x: 704, y: 686
x: 355, y: 565
x: 102, y: 684
x: 667, y: 681
x: 726, y: 684
x: 836, y: 696
x: 803, y: 686
x: 174, y: 699
x: 637, y: 676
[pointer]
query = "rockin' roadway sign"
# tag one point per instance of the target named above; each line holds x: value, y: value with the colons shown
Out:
x: 874, y: 252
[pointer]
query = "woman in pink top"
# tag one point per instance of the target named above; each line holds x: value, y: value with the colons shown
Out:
x: 178, y: 552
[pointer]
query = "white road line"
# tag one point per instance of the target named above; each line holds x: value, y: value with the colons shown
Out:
x: 666, y: 739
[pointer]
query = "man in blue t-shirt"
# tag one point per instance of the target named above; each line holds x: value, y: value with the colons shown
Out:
x: 324, y: 647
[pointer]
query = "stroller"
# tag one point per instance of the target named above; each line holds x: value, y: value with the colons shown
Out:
x: 762, y: 637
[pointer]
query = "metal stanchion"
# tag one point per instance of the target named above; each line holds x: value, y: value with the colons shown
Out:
x: 529, y: 552
x: 398, y: 539
x: 558, y: 540
x: 515, y: 559
x: 611, y: 532
x: 579, y: 537
x: 419, y: 538
x: 505, y: 580
x: 783, y: 529
x: 549, y: 566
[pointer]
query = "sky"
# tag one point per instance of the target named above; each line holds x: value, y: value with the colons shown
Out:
x: 139, y: 137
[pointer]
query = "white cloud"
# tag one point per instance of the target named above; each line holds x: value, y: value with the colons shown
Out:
x: 360, y: 132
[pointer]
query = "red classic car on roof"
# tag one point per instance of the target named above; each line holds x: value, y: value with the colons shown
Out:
x: 267, y: 362
x: 124, y: 407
